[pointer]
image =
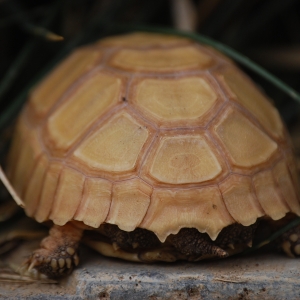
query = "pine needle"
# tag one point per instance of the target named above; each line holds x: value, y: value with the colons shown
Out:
x: 274, y: 236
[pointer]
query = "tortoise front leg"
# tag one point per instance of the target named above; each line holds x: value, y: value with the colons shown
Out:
x: 57, y: 254
x: 290, y: 242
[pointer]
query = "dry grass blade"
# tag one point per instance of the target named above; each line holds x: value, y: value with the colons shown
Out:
x: 11, y: 190
x: 9, y: 276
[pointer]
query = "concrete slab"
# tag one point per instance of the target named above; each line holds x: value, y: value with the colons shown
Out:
x: 256, y: 276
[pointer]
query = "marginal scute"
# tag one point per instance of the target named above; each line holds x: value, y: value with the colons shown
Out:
x: 95, y: 202
x: 162, y: 60
x: 218, y: 54
x: 48, y: 191
x: 292, y: 166
x: 252, y: 99
x: 246, y: 144
x: 67, y: 197
x: 46, y: 94
x: 130, y: 201
x: 21, y: 133
x: 30, y: 150
x: 83, y: 107
x: 284, y: 181
x: 240, y: 199
x: 268, y: 195
x: 172, y: 100
x: 143, y: 40
x: 115, y: 147
x: 184, y: 159
x: 171, y: 210
x: 35, y: 185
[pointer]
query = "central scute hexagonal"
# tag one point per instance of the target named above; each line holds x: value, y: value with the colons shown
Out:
x: 173, y: 100
x: 184, y: 159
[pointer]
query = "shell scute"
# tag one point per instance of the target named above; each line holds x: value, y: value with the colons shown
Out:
x: 28, y: 153
x: 246, y: 94
x: 68, y: 196
x: 284, y: 181
x: 35, y: 185
x: 95, y: 96
x: 292, y: 166
x: 269, y: 196
x: 143, y: 40
x: 182, y: 159
x: 47, y: 93
x: 180, y: 102
x: 240, y: 199
x: 95, y: 202
x: 119, y: 141
x: 115, y: 146
x: 48, y: 191
x: 20, y: 135
x: 171, y: 210
x: 247, y: 146
x: 162, y: 60
x: 130, y: 201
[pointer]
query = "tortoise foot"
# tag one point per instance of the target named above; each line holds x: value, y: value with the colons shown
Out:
x: 57, y: 256
x: 290, y: 242
x: 46, y: 264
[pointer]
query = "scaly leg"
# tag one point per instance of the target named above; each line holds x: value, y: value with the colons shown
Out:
x: 57, y: 254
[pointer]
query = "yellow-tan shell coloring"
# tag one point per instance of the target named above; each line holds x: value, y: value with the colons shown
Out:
x: 152, y: 131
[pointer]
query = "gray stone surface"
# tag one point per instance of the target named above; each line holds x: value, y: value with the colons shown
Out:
x: 262, y: 276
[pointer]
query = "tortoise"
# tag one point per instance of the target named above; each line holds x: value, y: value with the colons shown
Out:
x: 156, y: 148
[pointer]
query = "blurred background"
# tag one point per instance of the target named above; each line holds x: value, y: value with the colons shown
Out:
x: 31, y: 32
x: 35, y: 35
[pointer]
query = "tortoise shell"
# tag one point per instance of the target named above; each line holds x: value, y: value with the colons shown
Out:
x: 156, y: 132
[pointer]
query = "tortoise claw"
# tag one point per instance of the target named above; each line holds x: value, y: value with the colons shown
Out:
x: 28, y: 268
x: 32, y: 265
x: 43, y: 264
